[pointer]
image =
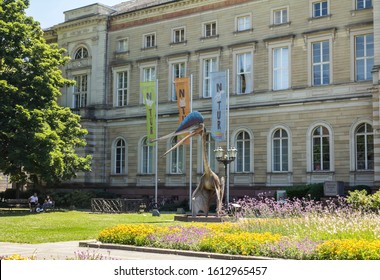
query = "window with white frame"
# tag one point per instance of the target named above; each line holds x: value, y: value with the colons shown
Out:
x: 243, y: 159
x: 280, y: 68
x: 280, y: 150
x: 149, y: 40
x: 321, y: 149
x: 363, y: 4
x: 321, y: 63
x: 121, y: 88
x: 178, y: 71
x: 119, y: 156
x: 176, y: 158
x: 209, y: 29
x: 81, y: 53
x: 208, y: 65
x: 149, y: 73
x: 320, y: 9
x: 280, y: 16
x: 243, y: 23
x: 80, y: 91
x: 244, y: 73
x: 146, y: 157
x: 364, y: 57
x: 364, y: 147
x: 122, y: 45
x: 178, y: 35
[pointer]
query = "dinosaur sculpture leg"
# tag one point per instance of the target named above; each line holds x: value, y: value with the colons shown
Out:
x: 201, y: 200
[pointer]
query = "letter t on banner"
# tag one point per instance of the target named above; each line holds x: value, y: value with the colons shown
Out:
x: 218, y: 91
x: 148, y: 90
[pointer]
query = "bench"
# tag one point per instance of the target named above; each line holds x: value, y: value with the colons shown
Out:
x: 16, y: 203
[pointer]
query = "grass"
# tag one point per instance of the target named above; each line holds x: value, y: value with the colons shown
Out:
x: 23, y: 227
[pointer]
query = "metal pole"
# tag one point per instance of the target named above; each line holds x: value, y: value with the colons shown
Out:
x: 156, y: 167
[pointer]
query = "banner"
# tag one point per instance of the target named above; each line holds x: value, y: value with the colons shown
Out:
x: 148, y: 90
x: 182, y: 89
x: 219, y: 97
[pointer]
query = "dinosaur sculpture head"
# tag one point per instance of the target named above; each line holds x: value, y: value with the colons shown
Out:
x: 193, y: 124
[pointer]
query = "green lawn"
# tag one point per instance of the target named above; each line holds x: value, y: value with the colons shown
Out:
x: 23, y: 227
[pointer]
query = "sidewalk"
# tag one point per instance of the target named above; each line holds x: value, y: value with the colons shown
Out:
x: 66, y: 250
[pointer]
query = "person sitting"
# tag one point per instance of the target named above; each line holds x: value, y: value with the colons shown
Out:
x: 33, y: 201
x: 48, y: 203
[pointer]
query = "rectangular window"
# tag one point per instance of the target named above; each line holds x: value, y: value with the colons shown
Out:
x: 364, y: 57
x: 321, y: 63
x: 243, y: 23
x: 149, y: 40
x: 320, y: 9
x: 179, y: 35
x: 209, y: 65
x: 147, y: 158
x: 80, y: 91
x: 280, y: 16
x: 244, y: 81
x: 178, y: 71
x: 363, y: 4
x: 121, y: 88
x: 280, y: 68
x: 122, y: 45
x: 209, y: 29
x: 149, y: 74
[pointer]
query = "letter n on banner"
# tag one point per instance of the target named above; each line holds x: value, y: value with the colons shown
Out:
x: 219, y: 115
x: 148, y: 90
x: 182, y: 89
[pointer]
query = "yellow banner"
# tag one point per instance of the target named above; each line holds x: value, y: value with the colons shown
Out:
x: 148, y: 90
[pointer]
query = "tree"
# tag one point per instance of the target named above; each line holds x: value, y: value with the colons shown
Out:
x: 38, y: 138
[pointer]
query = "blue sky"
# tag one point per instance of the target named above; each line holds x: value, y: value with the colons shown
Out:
x: 50, y: 12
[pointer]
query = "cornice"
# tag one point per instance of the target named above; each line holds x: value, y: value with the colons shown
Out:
x: 165, y: 12
x: 75, y: 23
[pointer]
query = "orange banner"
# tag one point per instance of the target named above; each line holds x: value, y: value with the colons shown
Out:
x: 182, y: 89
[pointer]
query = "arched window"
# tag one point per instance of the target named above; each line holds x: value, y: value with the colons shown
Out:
x: 120, y: 155
x: 146, y: 157
x: 176, y: 158
x: 81, y: 53
x: 280, y: 150
x: 243, y: 145
x: 321, y: 149
x: 364, y: 147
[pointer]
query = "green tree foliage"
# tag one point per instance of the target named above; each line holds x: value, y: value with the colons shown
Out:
x: 38, y: 138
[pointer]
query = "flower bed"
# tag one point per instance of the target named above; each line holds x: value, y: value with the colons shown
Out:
x: 298, y: 229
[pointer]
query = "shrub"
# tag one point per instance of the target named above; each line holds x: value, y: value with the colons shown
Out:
x: 297, y: 191
x: 349, y: 249
x: 316, y: 191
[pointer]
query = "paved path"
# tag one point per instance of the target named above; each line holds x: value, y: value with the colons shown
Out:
x: 65, y: 250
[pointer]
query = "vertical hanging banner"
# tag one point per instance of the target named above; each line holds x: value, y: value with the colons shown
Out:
x: 219, y: 97
x: 182, y: 89
x: 148, y: 90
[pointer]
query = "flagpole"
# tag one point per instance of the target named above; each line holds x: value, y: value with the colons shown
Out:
x: 191, y: 147
x: 156, y: 158
x: 228, y: 136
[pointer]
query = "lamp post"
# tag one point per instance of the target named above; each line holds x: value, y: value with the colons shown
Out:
x: 226, y: 159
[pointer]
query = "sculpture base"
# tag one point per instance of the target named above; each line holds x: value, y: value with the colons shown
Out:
x: 202, y: 219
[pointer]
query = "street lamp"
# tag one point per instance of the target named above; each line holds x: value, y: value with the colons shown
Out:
x: 226, y: 159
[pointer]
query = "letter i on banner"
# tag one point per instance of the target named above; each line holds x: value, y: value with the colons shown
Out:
x: 218, y: 119
x: 148, y: 90
x: 182, y: 89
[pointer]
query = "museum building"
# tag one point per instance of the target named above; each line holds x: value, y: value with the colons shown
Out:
x: 303, y: 86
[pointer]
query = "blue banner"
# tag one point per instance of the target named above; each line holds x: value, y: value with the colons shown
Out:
x: 219, y: 113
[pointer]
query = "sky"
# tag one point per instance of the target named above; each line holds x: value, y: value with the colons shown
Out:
x: 50, y: 12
